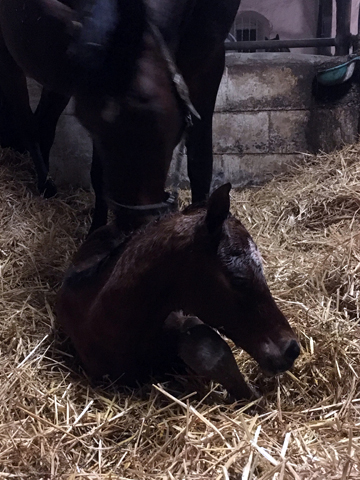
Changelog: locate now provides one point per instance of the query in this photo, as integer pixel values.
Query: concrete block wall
(268, 112)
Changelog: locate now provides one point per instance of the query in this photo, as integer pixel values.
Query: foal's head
(229, 290)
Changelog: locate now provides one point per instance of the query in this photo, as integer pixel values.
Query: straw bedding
(55, 425)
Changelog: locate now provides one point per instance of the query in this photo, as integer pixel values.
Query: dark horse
(121, 60)
(119, 296)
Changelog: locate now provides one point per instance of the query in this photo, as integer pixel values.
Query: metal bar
(267, 44)
(343, 21)
(324, 26)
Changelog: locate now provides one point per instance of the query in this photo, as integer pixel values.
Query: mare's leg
(47, 114)
(97, 180)
(8, 135)
(203, 90)
(205, 352)
(14, 88)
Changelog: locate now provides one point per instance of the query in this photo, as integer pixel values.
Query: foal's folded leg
(205, 352)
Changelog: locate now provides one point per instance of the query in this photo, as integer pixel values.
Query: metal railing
(342, 42)
(269, 44)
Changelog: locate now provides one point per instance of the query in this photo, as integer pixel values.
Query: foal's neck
(157, 251)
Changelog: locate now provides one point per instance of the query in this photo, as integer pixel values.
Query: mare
(128, 302)
(121, 61)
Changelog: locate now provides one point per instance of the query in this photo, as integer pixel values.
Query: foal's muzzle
(277, 358)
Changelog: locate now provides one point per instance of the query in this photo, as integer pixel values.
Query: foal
(118, 296)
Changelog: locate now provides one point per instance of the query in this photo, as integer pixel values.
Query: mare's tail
(108, 40)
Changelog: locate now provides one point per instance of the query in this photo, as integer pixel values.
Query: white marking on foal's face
(243, 260)
(255, 254)
(256, 261)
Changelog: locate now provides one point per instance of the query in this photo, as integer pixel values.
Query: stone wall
(268, 111)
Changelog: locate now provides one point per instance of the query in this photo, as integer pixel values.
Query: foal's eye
(239, 281)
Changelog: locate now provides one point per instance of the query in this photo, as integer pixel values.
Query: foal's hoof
(243, 391)
(48, 189)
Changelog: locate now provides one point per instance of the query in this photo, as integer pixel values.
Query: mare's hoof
(48, 189)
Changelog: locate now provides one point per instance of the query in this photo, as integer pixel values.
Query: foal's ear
(218, 209)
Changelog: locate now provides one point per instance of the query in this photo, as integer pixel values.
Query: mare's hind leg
(47, 114)
(97, 180)
(14, 87)
(203, 90)
(8, 134)
(205, 352)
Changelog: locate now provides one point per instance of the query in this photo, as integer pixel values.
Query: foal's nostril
(292, 350)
